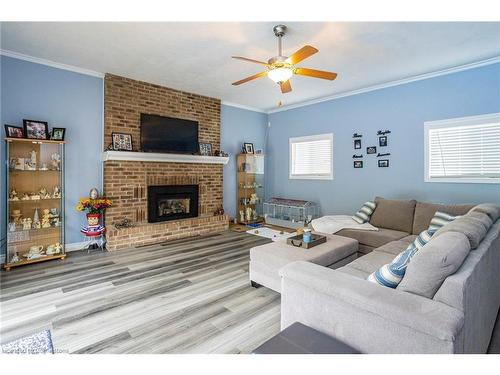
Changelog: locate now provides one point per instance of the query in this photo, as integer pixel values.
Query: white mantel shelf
(162, 158)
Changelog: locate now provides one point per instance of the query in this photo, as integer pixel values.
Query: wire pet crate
(290, 213)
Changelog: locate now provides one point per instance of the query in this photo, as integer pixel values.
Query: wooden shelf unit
(31, 181)
(249, 180)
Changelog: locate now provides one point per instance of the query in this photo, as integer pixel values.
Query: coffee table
(266, 260)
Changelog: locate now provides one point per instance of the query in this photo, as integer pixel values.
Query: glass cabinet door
(35, 204)
(250, 188)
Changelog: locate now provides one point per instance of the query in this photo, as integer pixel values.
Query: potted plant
(94, 208)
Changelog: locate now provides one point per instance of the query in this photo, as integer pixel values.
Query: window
(463, 150)
(311, 157)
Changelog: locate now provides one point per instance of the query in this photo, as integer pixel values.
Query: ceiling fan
(281, 68)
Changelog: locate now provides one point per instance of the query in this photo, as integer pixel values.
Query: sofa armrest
(395, 307)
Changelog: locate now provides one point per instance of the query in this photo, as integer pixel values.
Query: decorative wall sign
(384, 163)
(380, 155)
(358, 163)
(357, 156)
(122, 141)
(371, 150)
(357, 144)
(382, 141)
(206, 149)
(383, 132)
(356, 135)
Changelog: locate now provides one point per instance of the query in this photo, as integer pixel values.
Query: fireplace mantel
(162, 158)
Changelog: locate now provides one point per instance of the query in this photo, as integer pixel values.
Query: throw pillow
(440, 219)
(390, 275)
(364, 213)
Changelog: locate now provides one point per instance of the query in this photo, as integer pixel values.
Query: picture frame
(12, 131)
(122, 141)
(371, 150)
(358, 163)
(205, 149)
(248, 148)
(34, 129)
(382, 141)
(57, 134)
(357, 144)
(383, 163)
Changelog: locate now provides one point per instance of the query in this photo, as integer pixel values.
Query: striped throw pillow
(440, 219)
(390, 275)
(364, 213)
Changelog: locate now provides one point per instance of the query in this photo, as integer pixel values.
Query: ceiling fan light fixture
(282, 74)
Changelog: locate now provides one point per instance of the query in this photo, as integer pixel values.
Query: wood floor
(189, 296)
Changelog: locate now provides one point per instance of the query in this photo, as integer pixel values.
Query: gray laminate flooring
(186, 296)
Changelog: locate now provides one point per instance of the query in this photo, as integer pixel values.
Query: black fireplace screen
(172, 202)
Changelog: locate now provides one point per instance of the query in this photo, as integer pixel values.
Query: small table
(301, 339)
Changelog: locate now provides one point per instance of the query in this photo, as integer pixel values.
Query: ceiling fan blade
(301, 54)
(250, 60)
(261, 74)
(285, 86)
(315, 73)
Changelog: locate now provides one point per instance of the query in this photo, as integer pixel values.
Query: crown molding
(37, 60)
(385, 85)
(241, 106)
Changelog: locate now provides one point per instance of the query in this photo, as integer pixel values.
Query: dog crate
(290, 213)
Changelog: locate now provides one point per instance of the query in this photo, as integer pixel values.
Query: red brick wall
(125, 182)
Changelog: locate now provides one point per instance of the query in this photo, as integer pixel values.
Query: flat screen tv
(168, 135)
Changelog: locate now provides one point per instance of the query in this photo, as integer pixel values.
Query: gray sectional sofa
(456, 314)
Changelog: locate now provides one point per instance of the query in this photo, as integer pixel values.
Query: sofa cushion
(364, 213)
(492, 210)
(391, 274)
(394, 247)
(371, 262)
(482, 217)
(472, 227)
(353, 272)
(372, 238)
(430, 266)
(424, 212)
(393, 214)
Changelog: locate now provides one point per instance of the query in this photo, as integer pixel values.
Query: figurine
(26, 223)
(44, 194)
(33, 157)
(94, 193)
(44, 167)
(58, 248)
(253, 198)
(25, 197)
(57, 192)
(12, 226)
(242, 216)
(36, 220)
(254, 214)
(37, 225)
(13, 195)
(15, 258)
(19, 164)
(46, 218)
(30, 164)
(249, 214)
(55, 161)
(16, 215)
(35, 197)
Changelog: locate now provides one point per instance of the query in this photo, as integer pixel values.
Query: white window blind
(463, 150)
(311, 157)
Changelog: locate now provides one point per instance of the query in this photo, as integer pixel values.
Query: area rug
(273, 234)
(38, 343)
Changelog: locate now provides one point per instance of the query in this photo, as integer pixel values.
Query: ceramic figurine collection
(31, 163)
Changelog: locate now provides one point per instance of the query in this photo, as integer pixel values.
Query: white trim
(459, 121)
(385, 85)
(37, 60)
(241, 106)
(75, 246)
(307, 138)
(162, 158)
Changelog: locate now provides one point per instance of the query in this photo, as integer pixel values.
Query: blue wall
(65, 99)
(238, 126)
(402, 109)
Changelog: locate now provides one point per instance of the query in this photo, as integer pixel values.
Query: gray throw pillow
(483, 218)
(438, 259)
(473, 228)
(490, 209)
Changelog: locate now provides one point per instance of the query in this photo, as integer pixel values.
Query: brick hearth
(125, 182)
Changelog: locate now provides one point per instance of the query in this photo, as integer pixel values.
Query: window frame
(454, 122)
(316, 137)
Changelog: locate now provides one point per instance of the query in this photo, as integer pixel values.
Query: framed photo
(36, 129)
(382, 141)
(57, 134)
(12, 131)
(383, 163)
(206, 149)
(371, 150)
(358, 163)
(248, 148)
(122, 141)
(357, 144)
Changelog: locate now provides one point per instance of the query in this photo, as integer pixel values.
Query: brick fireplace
(127, 182)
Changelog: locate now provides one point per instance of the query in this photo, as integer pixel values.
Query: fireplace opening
(172, 202)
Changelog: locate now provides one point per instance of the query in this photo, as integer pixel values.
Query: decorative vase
(93, 220)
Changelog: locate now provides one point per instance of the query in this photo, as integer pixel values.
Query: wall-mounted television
(168, 135)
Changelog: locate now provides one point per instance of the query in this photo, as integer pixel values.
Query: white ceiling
(196, 57)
